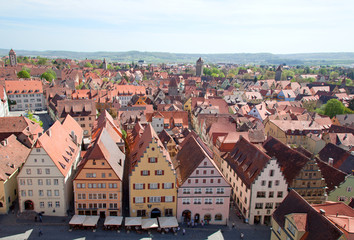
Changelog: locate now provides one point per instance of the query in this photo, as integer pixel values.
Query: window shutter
(134, 186)
(173, 185)
(163, 186)
(149, 186)
(163, 172)
(141, 173)
(133, 199)
(158, 186)
(155, 172)
(162, 199)
(144, 186)
(144, 197)
(149, 160)
(156, 160)
(148, 172)
(173, 199)
(148, 199)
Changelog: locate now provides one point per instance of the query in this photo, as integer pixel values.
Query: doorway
(155, 213)
(196, 218)
(29, 205)
(186, 215)
(102, 214)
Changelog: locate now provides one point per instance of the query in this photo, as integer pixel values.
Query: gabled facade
(45, 180)
(98, 184)
(152, 178)
(344, 192)
(4, 105)
(203, 193)
(258, 185)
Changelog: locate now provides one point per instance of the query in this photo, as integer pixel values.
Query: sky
(178, 26)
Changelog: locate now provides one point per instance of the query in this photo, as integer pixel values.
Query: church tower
(199, 67)
(278, 73)
(13, 58)
(104, 64)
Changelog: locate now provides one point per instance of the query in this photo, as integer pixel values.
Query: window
(280, 194)
(197, 201)
(152, 160)
(263, 183)
(112, 185)
(259, 205)
(204, 172)
(23, 193)
(220, 190)
(30, 193)
(113, 196)
(168, 212)
(218, 217)
(197, 190)
(48, 182)
(28, 171)
(342, 199)
(186, 201)
(56, 182)
(186, 190)
(277, 204)
(139, 186)
(219, 201)
(211, 180)
(261, 194)
(196, 181)
(40, 182)
(291, 229)
(269, 206)
(349, 189)
(50, 204)
(219, 180)
(209, 190)
(154, 199)
(47, 171)
(153, 186)
(57, 204)
(113, 205)
(145, 173)
(159, 172)
(208, 201)
(41, 204)
(270, 184)
(49, 193)
(169, 199)
(39, 171)
(90, 175)
(103, 175)
(197, 172)
(40, 192)
(276, 182)
(271, 173)
(22, 182)
(168, 185)
(271, 194)
(141, 213)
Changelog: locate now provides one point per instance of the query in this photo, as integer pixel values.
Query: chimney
(323, 212)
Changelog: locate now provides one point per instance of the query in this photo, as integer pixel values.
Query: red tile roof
(24, 87)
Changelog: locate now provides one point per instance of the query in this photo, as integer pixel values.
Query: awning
(149, 223)
(132, 221)
(77, 220)
(168, 222)
(90, 221)
(113, 220)
(216, 236)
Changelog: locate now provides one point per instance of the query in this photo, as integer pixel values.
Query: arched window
(218, 217)
(207, 217)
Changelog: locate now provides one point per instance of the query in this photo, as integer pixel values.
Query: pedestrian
(202, 223)
(184, 231)
(233, 225)
(189, 223)
(40, 218)
(241, 236)
(40, 233)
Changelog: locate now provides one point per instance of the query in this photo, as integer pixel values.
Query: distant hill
(164, 57)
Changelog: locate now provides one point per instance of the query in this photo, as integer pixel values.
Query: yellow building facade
(152, 179)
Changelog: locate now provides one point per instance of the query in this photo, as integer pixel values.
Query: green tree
(42, 61)
(23, 74)
(334, 107)
(89, 65)
(49, 75)
(323, 71)
(333, 75)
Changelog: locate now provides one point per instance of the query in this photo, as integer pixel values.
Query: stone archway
(155, 213)
(29, 205)
(186, 215)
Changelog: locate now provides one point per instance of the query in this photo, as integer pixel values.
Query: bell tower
(13, 58)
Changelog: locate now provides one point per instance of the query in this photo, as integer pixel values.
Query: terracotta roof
(165, 137)
(286, 125)
(12, 155)
(317, 226)
(247, 161)
(60, 144)
(346, 120)
(24, 87)
(291, 161)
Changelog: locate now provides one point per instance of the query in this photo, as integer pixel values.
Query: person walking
(184, 231)
(40, 233)
(233, 225)
(242, 235)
